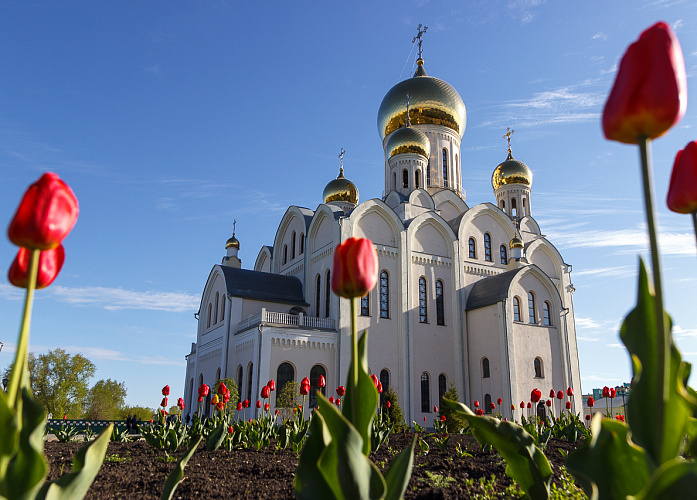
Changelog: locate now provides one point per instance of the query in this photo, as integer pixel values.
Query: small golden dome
(511, 171)
(516, 243)
(432, 101)
(341, 189)
(232, 242)
(408, 140)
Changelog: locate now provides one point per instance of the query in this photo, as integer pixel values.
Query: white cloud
(11, 292)
(118, 298)
(99, 353)
(600, 36)
(619, 271)
(677, 25)
(680, 332)
(586, 323)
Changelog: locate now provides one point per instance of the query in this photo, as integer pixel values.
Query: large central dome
(432, 101)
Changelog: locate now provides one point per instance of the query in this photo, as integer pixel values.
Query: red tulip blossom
(239, 406)
(493, 406)
(374, 379)
(245, 403)
(341, 391)
(588, 417)
(331, 399)
(435, 409)
(66, 416)
(258, 403)
(226, 397)
(200, 399)
(165, 390)
(479, 412)
(529, 405)
(476, 404)
(230, 429)
(613, 393)
(590, 402)
(267, 406)
(424, 419)
(388, 404)
(499, 401)
(47, 213)
(560, 395)
(569, 392)
(522, 404)
(682, 193)
(204, 390)
(305, 386)
(321, 382)
(548, 402)
(277, 412)
(338, 401)
(265, 392)
(649, 95)
(442, 418)
(163, 403)
(150, 420)
(512, 407)
(272, 385)
(380, 387)
(222, 388)
(552, 393)
(568, 405)
(180, 403)
(535, 395)
(50, 264)
(355, 271)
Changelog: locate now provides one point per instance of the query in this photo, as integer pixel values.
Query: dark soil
(135, 470)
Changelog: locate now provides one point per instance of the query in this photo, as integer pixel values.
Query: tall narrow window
(384, 295)
(315, 372)
(472, 248)
(417, 179)
(545, 314)
(487, 247)
(514, 207)
(250, 371)
(423, 306)
(538, 367)
(284, 374)
(428, 173)
(385, 381)
(222, 309)
(445, 167)
(285, 254)
(394, 181)
(504, 255)
(487, 403)
(440, 304)
(485, 368)
(405, 179)
(240, 371)
(217, 303)
(503, 205)
(302, 243)
(516, 309)
(531, 308)
(425, 393)
(327, 293)
(365, 305)
(442, 387)
(318, 295)
(525, 209)
(210, 314)
(292, 246)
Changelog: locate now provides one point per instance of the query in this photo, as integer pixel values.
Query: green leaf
(86, 465)
(27, 470)
(310, 483)
(641, 336)
(215, 439)
(609, 464)
(177, 473)
(9, 437)
(399, 473)
(525, 463)
(674, 479)
(361, 402)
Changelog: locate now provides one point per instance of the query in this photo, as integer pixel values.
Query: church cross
(418, 37)
(341, 161)
(234, 224)
(507, 135)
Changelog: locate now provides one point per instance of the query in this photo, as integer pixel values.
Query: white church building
(473, 296)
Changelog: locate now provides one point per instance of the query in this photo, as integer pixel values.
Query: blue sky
(171, 119)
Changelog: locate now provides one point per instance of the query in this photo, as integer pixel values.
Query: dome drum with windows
(408, 140)
(340, 189)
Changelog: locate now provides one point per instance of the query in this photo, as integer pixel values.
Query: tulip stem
(354, 344)
(694, 222)
(663, 345)
(19, 371)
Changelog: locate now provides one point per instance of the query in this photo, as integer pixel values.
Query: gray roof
(490, 290)
(263, 286)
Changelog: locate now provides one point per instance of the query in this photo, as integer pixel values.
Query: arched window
(417, 179)
(504, 255)
(394, 181)
(516, 309)
(384, 294)
(285, 254)
(365, 305)
(318, 295)
(327, 293)
(538, 368)
(425, 393)
(240, 371)
(191, 390)
(217, 302)
(210, 314)
(423, 305)
(284, 374)
(514, 207)
(217, 376)
(503, 205)
(487, 247)
(405, 179)
(292, 246)
(545, 314)
(200, 383)
(385, 381)
(440, 304)
(302, 243)
(485, 368)
(445, 167)
(222, 309)
(487, 403)
(442, 387)
(472, 248)
(525, 209)
(250, 370)
(531, 308)
(315, 372)
(428, 173)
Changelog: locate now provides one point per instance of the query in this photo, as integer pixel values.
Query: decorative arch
(544, 281)
(315, 373)
(321, 228)
(384, 228)
(433, 226)
(284, 373)
(421, 197)
(550, 260)
(292, 214)
(263, 262)
(484, 210)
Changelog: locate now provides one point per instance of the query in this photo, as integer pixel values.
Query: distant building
(474, 296)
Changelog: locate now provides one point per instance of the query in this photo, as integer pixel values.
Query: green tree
(142, 413)
(232, 387)
(452, 421)
(59, 381)
(288, 398)
(394, 412)
(105, 400)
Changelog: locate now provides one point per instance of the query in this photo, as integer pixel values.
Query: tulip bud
(272, 385)
(560, 395)
(50, 264)
(267, 406)
(493, 406)
(435, 409)
(355, 270)
(569, 392)
(548, 402)
(682, 193)
(338, 401)
(522, 404)
(535, 395)
(380, 387)
(374, 379)
(200, 399)
(529, 405)
(258, 403)
(239, 406)
(47, 213)
(180, 403)
(613, 393)
(590, 402)
(204, 390)
(341, 390)
(321, 382)
(230, 429)
(476, 404)
(388, 404)
(512, 407)
(442, 418)
(499, 401)
(245, 403)
(222, 388)
(424, 419)
(265, 392)
(588, 417)
(277, 412)
(552, 393)
(568, 405)
(606, 392)
(165, 390)
(163, 403)
(649, 95)
(215, 399)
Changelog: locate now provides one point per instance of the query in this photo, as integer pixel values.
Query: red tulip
(424, 419)
(682, 193)
(245, 403)
(374, 379)
(200, 399)
(230, 429)
(590, 402)
(535, 395)
(476, 404)
(560, 395)
(226, 397)
(569, 392)
(65, 416)
(305, 386)
(512, 407)
(163, 403)
(50, 264)
(258, 403)
(606, 392)
(341, 391)
(499, 401)
(388, 404)
(331, 400)
(180, 403)
(588, 417)
(529, 405)
(522, 404)
(549, 402)
(613, 393)
(355, 271)
(442, 418)
(204, 390)
(479, 412)
(150, 420)
(552, 393)
(568, 405)
(267, 406)
(493, 406)
(265, 392)
(222, 388)
(165, 390)
(321, 382)
(435, 409)
(277, 412)
(271, 385)
(239, 406)
(47, 213)
(380, 387)
(338, 401)
(649, 95)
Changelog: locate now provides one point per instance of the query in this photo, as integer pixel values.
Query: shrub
(288, 398)
(452, 421)
(394, 412)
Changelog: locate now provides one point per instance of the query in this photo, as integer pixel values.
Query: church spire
(507, 135)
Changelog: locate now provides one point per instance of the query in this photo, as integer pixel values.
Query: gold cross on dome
(507, 135)
(234, 224)
(418, 37)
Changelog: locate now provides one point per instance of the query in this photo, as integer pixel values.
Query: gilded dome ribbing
(432, 101)
(341, 189)
(408, 140)
(232, 242)
(516, 243)
(511, 171)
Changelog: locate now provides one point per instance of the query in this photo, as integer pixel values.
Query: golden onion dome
(232, 242)
(408, 140)
(511, 171)
(516, 243)
(431, 101)
(341, 189)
